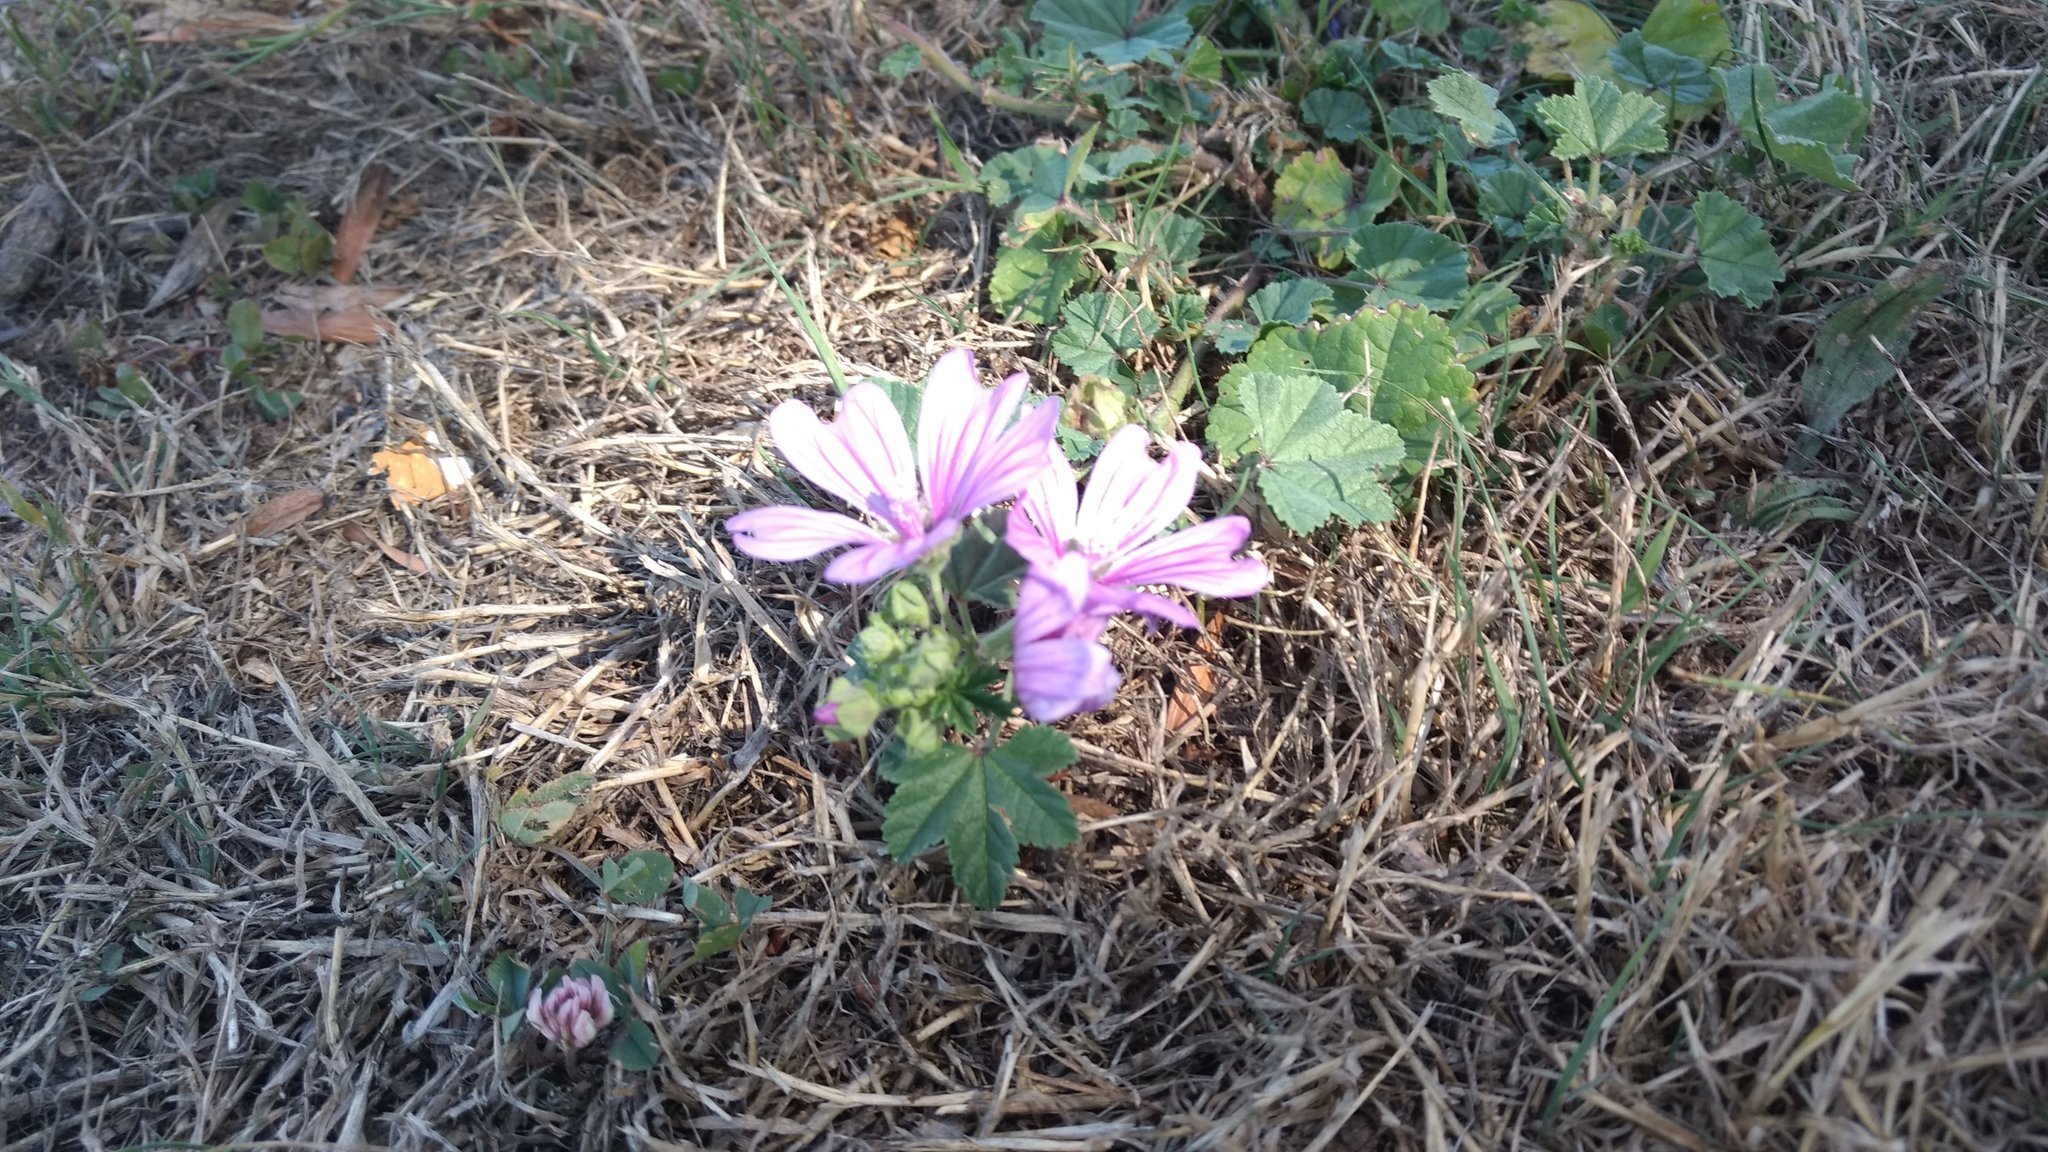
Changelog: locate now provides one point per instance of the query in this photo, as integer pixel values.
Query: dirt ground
(1467, 842)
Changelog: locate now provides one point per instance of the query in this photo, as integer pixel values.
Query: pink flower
(1058, 665)
(969, 455)
(1116, 531)
(573, 1012)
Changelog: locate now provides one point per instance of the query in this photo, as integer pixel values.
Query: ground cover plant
(1216, 575)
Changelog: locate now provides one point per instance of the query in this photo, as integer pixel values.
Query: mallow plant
(986, 553)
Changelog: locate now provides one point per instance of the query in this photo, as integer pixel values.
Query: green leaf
(533, 817)
(1403, 359)
(1099, 325)
(1599, 119)
(245, 324)
(746, 905)
(1735, 250)
(980, 806)
(1037, 180)
(637, 877)
(1110, 30)
(982, 568)
(1406, 262)
(1340, 113)
(636, 1049)
(1635, 587)
(1815, 136)
(1567, 39)
(1316, 458)
(1311, 196)
(902, 62)
(1678, 82)
(1858, 346)
(1428, 17)
(1312, 191)
(1292, 302)
(1463, 97)
(1694, 28)
(510, 981)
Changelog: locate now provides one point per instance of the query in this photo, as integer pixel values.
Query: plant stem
(989, 94)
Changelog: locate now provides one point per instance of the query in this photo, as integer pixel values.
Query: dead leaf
(418, 473)
(281, 512)
(32, 235)
(1089, 808)
(1194, 689)
(354, 325)
(359, 223)
(203, 248)
(362, 537)
(187, 21)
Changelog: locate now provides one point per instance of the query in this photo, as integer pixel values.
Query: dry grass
(1493, 840)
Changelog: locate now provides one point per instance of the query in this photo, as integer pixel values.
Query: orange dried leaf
(356, 325)
(359, 223)
(1089, 808)
(418, 473)
(281, 512)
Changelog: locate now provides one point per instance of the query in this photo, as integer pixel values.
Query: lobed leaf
(1599, 119)
(1315, 458)
(1735, 250)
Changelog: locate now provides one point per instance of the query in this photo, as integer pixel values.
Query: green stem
(990, 95)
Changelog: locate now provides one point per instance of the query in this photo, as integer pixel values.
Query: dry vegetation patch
(1629, 792)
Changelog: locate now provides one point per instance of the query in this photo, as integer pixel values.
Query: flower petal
(1058, 677)
(1042, 523)
(783, 533)
(1131, 497)
(1198, 558)
(874, 561)
(1006, 464)
(952, 421)
(1103, 598)
(863, 457)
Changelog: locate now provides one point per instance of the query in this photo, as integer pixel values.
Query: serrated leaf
(980, 806)
(1679, 83)
(1464, 98)
(1414, 125)
(1339, 113)
(1406, 262)
(1856, 349)
(1429, 17)
(1312, 191)
(1316, 458)
(1599, 119)
(1694, 28)
(1096, 326)
(1815, 135)
(1168, 236)
(1036, 180)
(637, 877)
(1403, 361)
(1291, 302)
(1735, 250)
(1312, 195)
(1567, 39)
(533, 817)
(1110, 30)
